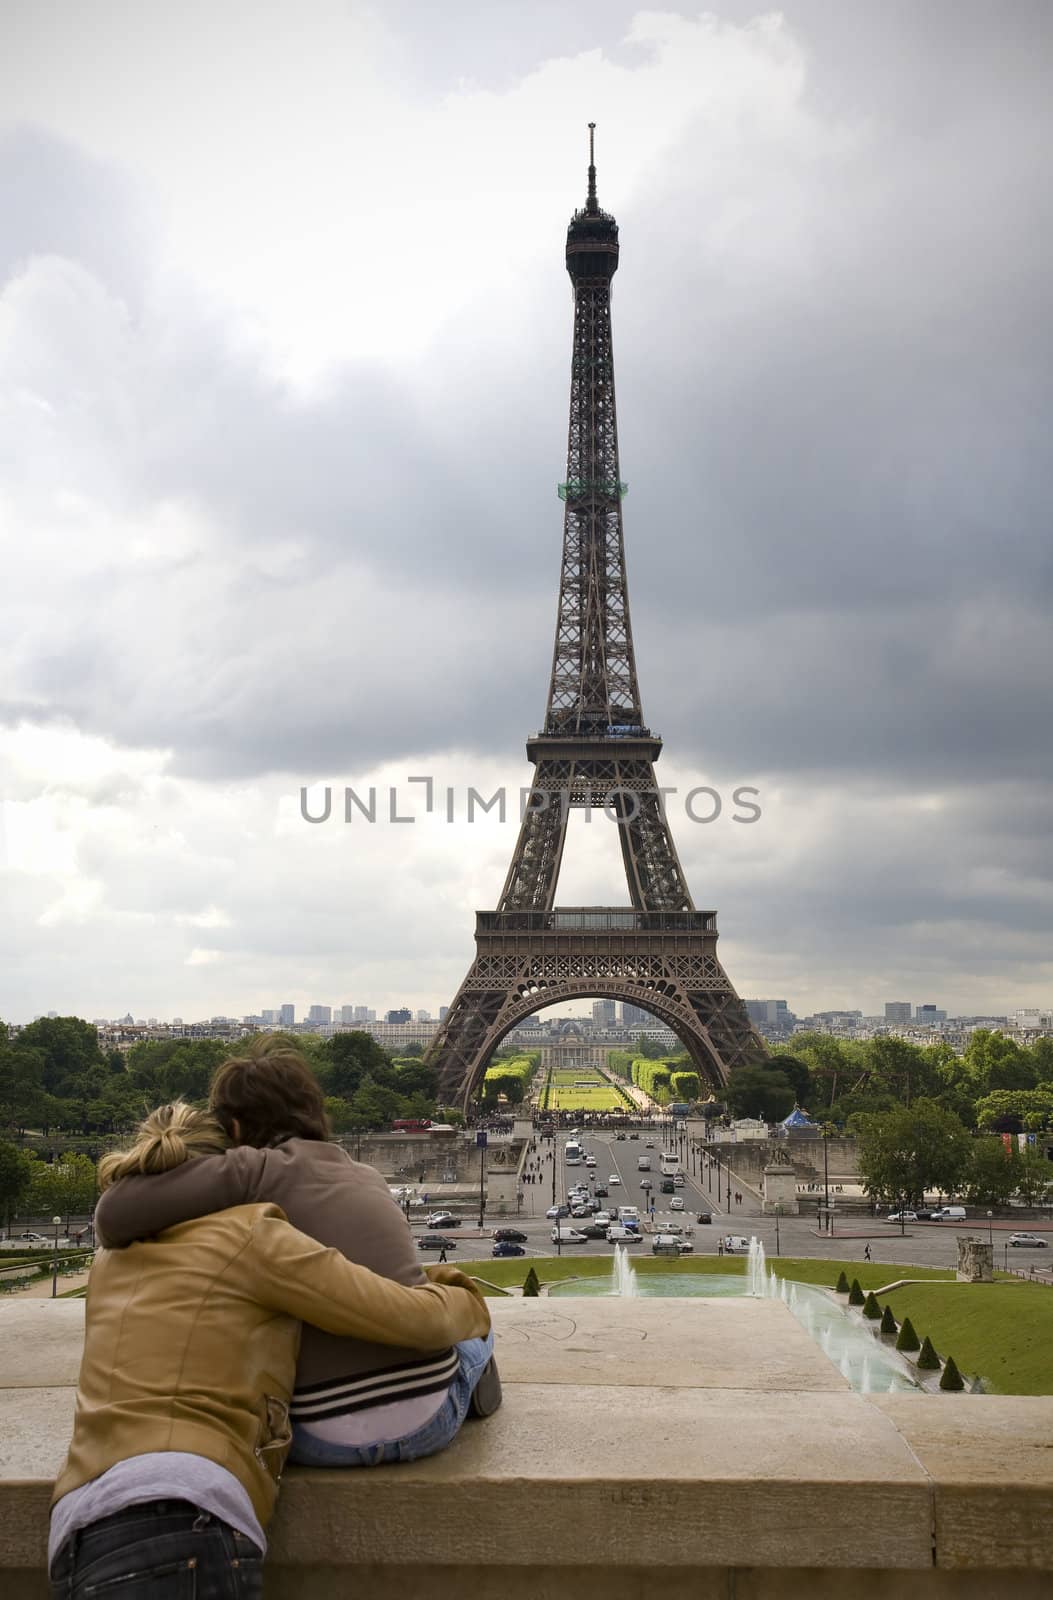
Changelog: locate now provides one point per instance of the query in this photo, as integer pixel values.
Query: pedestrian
(866, 1253)
(442, 1255)
(720, 1247)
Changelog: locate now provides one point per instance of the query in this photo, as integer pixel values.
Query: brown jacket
(339, 1202)
(190, 1341)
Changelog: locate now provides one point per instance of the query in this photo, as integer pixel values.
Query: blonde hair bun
(167, 1137)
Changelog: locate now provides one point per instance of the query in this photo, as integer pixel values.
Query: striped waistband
(336, 1397)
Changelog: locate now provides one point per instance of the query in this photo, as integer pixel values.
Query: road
(920, 1244)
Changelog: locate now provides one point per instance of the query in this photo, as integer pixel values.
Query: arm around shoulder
(133, 1208)
(297, 1275)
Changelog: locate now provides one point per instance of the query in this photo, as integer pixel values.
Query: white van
(949, 1214)
(565, 1235)
(619, 1235)
(628, 1214)
(643, 1164)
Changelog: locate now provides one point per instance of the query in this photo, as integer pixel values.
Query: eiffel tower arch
(594, 750)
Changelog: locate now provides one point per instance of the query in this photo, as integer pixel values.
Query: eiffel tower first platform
(594, 750)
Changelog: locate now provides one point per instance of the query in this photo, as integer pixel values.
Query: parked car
(554, 1212)
(435, 1241)
(1027, 1241)
(508, 1236)
(676, 1204)
(902, 1216)
(564, 1235)
(442, 1219)
(949, 1214)
(506, 1247)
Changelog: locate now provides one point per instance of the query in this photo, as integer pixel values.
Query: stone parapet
(704, 1446)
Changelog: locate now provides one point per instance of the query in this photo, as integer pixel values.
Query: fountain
(755, 1268)
(623, 1275)
(865, 1379)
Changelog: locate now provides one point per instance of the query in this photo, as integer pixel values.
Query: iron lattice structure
(594, 750)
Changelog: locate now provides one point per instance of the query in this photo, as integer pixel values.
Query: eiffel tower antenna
(594, 750)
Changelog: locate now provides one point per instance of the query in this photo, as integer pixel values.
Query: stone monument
(779, 1185)
(975, 1260)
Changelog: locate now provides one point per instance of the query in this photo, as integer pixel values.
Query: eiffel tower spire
(594, 750)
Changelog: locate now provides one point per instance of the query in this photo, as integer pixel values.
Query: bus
(670, 1164)
(572, 1152)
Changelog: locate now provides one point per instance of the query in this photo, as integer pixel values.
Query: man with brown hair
(355, 1403)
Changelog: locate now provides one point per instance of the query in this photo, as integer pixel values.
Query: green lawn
(560, 1093)
(554, 1269)
(1001, 1331)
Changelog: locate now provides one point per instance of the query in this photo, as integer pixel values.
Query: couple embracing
(225, 1232)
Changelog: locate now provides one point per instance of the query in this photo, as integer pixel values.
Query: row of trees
(510, 1076)
(924, 1148)
(995, 1085)
(665, 1079)
(54, 1078)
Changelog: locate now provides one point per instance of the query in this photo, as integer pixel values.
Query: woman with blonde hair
(182, 1419)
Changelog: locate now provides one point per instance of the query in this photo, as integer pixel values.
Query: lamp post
(778, 1214)
(826, 1174)
(990, 1232)
(480, 1140)
(56, 1223)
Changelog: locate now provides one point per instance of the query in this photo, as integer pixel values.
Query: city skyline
(832, 326)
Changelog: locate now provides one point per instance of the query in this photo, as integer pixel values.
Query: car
(565, 1235)
(619, 1136)
(595, 1230)
(676, 1204)
(435, 1241)
(603, 1218)
(590, 1161)
(580, 1212)
(35, 1238)
(507, 1247)
(616, 1234)
(650, 1144)
(554, 1212)
(678, 1179)
(1027, 1241)
(933, 1215)
(902, 1216)
(634, 1136)
(442, 1219)
(600, 1192)
(614, 1179)
(734, 1242)
(645, 1183)
(704, 1216)
(508, 1236)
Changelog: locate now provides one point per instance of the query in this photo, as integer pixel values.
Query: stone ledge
(635, 1438)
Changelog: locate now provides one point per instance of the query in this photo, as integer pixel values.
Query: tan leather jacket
(191, 1340)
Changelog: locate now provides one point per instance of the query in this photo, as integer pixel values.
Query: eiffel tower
(594, 750)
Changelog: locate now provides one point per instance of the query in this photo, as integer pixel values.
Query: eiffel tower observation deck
(594, 750)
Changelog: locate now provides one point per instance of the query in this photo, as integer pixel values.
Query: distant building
(897, 1011)
(320, 1014)
(269, 1018)
(772, 1013)
(930, 1016)
(635, 1017)
(347, 1013)
(400, 1014)
(444, 1012)
(605, 1013)
(287, 1016)
(423, 1016)
(1037, 1018)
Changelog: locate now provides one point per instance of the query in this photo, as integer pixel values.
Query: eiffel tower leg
(532, 877)
(652, 866)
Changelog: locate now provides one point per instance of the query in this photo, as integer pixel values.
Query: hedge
(908, 1339)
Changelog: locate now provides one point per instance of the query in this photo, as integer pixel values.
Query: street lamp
(990, 1232)
(56, 1223)
(826, 1173)
(778, 1214)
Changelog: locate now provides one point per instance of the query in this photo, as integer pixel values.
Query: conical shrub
(908, 1339)
(856, 1297)
(888, 1321)
(950, 1377)
(531, 1284)
(871, 1308)
(842, 1285)
(928, 1360)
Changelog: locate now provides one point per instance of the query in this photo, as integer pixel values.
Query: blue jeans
(427, 1441)
(160, 1550)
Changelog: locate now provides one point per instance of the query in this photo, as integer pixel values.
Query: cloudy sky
(284, 359)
